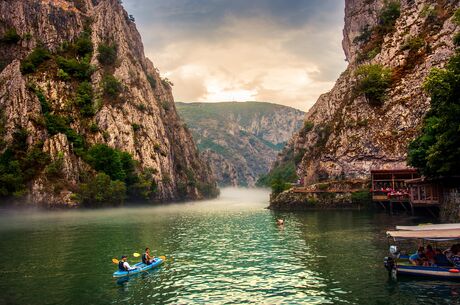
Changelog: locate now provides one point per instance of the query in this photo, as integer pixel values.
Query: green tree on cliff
(436, 152)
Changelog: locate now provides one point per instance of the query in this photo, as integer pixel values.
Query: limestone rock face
(346, 135)
(142, 120)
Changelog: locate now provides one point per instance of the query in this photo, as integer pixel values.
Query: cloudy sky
(281, 51)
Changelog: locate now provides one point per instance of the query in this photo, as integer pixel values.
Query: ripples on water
(221, 251)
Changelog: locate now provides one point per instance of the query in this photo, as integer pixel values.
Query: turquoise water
(223, 251)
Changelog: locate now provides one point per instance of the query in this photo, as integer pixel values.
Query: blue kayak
(140, 267)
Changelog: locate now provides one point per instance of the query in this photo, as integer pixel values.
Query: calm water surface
(222, 251)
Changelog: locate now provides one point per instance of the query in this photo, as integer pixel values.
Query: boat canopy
(432, 234)
(428, 226)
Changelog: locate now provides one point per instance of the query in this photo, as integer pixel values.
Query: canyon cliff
(75, 83)
(351, 129)
(240, 141)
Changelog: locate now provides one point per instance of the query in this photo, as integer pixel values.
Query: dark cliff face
(346, 134)
(92, 84)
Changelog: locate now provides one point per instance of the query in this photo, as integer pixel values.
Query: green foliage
(61, 74)
(112, 86)
(54, 169)
(361, 197)
(107, 54)
(10, 36)
(208, 190)
(81, 69)
(84, 45)
(373, 81)
(58, 124)
(2, 129)
(372, 38)
(364, 36)
(388, 16)
(31, 63)
(84, 99)
(113, 162)
(307, 127)
(278, 185)
(136, 127)
(165, 105)
(323, 186)
(93, 128)
(166, 82)
(46, 107)
(457, 39)
(207, 143)
(456, 18)
(413, 44)
(101, 190)
(436, 152)
(145, 187)
(20, 163)
(285, 172)
(152, 81)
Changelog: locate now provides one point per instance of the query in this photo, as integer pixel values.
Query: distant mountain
(240, 140)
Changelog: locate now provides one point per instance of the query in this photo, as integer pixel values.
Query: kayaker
(123, 265)
(147, 258)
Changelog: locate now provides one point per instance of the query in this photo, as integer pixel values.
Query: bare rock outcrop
(345, 136)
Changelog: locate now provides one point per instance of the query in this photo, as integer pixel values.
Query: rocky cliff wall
(240, 140)
(345, 135)
(138, 116)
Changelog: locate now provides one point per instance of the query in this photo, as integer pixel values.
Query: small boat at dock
(398, 262)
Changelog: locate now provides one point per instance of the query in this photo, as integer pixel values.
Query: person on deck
(123, 265)
(440, 259)
(455, 257)
(147, 258)
(417, 258)
(429, 254)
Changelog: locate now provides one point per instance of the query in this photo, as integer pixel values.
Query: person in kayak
(123, 265)
(147, 258)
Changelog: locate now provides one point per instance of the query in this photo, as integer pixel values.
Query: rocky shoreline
(351, 194)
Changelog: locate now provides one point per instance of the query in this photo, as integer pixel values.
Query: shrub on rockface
(80, 69)
(388, 15)
(373, 81)
(84, 99)
(10, 36)
(101, 190)
(283, 173)
(112, 86)
(436, 151)
(20, 163)
(38, 56)
(107, 54)
(113, 162)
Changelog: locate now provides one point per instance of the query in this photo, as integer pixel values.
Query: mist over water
(226, 250)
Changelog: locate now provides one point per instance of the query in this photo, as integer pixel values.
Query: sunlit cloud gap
(216, 50)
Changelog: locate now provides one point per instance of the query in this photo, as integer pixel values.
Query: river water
(226, 250)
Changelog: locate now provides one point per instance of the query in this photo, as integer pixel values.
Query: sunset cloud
(287, 52)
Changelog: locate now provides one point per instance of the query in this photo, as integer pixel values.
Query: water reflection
(228, 250)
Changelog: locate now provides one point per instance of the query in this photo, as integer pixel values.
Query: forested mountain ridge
(240, 140)
(85, 116)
